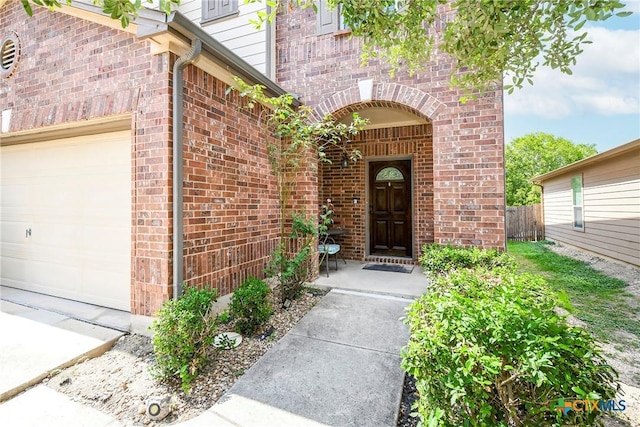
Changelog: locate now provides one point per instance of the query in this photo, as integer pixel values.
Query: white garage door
(65, 218)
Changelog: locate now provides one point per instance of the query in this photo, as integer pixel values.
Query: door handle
(27, 233)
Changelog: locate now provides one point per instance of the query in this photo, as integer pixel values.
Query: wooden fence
(525, 223)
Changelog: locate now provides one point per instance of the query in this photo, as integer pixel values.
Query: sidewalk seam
(67, 315)
(346, 345)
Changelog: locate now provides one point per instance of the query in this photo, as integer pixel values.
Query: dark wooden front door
(390, 208)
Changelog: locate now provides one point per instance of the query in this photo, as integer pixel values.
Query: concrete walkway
(352, 277)
(339, 366)
(40, 334)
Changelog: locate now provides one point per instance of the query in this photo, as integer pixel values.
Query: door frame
(367, 229)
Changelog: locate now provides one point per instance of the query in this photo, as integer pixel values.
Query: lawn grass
(598, 300)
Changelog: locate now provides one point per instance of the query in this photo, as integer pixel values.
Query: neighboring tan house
(594, 204)
(89, 116)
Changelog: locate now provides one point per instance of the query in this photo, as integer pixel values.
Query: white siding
(235, 32)
(611, 208)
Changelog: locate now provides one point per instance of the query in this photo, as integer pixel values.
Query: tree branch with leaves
(123, 10)
(534, 154)
(487, 39)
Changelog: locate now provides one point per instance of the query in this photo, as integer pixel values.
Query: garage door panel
(96, 238)
(75, 195)
(15, 165)
(104, 286)
(13, 232)
(14, 267)
(15, 195)
(54, 235)
(58, 193)
(56, 277)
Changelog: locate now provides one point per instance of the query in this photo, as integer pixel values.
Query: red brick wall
(231, 206)
(72, 70)
(468, 168)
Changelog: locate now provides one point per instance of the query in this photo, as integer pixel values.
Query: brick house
(88, 166)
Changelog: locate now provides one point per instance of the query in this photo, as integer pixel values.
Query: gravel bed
(409, 395)
(118, 383)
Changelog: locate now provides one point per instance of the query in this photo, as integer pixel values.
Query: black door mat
(394, 268)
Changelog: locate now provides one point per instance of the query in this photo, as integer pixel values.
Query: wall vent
(9, 55)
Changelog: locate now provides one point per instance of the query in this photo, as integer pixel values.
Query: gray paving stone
(329, 383)
(367, 321)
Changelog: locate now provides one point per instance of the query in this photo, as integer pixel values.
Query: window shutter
(214, 9)
(327, 20)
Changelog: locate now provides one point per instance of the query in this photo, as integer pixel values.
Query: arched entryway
(384, 202)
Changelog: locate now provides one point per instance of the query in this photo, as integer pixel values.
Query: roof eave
(180, 25)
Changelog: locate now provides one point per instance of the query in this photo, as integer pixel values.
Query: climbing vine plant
(295, 140)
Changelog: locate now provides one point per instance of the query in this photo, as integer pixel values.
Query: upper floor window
(330, 21)
(217, 9)
(578, 214)
(327, 20)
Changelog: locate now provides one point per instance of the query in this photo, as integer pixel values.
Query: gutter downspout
(178, 201)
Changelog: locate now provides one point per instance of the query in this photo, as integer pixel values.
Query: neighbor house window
(217, 9)
(578, 216)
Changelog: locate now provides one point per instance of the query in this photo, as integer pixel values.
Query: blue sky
(599, 104)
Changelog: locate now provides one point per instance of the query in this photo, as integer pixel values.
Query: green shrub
(488, 349)
(291, 270)
(224, 317)
(438, 259)
(182, 333)
(291, 264)
(250, 305)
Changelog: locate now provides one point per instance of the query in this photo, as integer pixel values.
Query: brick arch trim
(384, 95)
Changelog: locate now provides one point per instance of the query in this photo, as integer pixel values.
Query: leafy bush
(224, 317)
(487, 348)
(250, 306)
(182, 334)
(291, 270)
(438, 259)
(292, 266)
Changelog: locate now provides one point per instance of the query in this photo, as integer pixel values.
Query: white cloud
(608, 105)
(605, 81)
(611, 50)
(633, 6)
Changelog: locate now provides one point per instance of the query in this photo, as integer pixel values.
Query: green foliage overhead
(123, 10)
(487, 38)
(535, 154)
